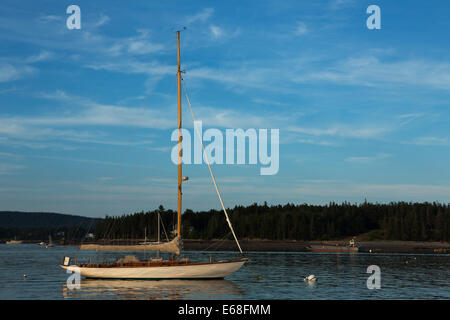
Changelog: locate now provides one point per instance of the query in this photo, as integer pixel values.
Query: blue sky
(86, 115)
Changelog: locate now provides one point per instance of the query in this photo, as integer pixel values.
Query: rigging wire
(164, 229)
(218, 244)
(210, 170)
(83, 237)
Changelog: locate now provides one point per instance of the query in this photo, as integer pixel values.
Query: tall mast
(180, 178)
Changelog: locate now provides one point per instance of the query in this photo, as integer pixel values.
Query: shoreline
(301, 246)
(261, 245)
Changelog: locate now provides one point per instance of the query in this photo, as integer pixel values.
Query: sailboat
(159, 233)
(15, 241)
(145, 234)
(130, 267)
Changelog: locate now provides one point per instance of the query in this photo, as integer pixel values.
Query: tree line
(392, 221)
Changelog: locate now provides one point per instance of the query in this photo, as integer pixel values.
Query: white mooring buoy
(311, 278)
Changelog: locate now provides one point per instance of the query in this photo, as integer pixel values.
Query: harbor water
(29, 271)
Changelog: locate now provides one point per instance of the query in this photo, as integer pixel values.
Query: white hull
(213, 270)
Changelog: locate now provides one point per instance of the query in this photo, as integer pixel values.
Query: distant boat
(50, 243)
(145, 235)
(47, 245)
(350, 248)
(15, 241)
(159, 233)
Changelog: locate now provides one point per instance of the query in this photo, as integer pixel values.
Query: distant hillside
(41, 225)
(17, 219)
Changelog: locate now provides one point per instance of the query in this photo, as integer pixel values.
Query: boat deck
(150, 263)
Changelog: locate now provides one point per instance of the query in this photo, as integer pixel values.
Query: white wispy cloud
(284, 75)
(12, 69)
(92, 161)
(7, 154)
(162, 149)
(16, 68)
(42, 56)
(137, 45)
(9, 72)
(104, 179)
(367, 159)
(202, 16)
(320, 180)
(50, 18)
(342, 130)
(39, 131)
(34, 143)
(50, 32)
(389, 192)
(8, 168)
(216, 31)
(102, 20)
(339, 4)
(96, 115)
(134, 67)
(45, 130)
(301, 29)
(410, 117)
(317, 142)
(227, 118)
(111, 142)
(371, 71)
(244, 76)
(407, 191)
(432, 141)
(269, 102)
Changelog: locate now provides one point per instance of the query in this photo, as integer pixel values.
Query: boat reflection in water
(153, 289)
